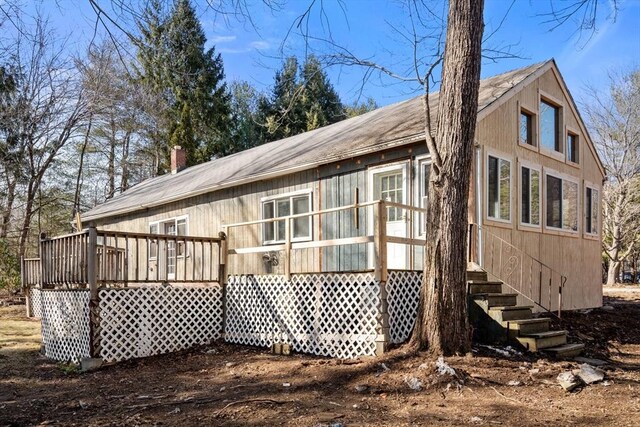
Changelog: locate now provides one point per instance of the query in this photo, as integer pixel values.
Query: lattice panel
(403, 292)
(36, 302)
(140, 322)
(334, 315)
(65, 324)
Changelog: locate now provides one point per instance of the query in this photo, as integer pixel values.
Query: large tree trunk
(614, 272)
(442, 324)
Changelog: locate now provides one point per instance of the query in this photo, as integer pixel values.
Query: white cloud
(260, 44)
(222, 39)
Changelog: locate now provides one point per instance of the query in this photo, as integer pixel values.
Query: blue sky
(372, 29)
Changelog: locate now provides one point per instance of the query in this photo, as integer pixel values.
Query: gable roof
(387, 127)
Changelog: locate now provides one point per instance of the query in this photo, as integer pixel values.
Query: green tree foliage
(245, 128)
(303, 99)
(189, 78)
(357, 109)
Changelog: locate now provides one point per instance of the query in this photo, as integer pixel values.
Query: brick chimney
(178, 159)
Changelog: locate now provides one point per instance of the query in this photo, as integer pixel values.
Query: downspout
(479, 198)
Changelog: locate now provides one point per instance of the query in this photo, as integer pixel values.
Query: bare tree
(614, 122)
(45, 111)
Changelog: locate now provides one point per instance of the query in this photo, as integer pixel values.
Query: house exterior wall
(575, 255)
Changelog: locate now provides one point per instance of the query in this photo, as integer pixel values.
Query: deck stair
(497, 318)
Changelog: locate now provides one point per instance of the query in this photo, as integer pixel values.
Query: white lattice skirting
(65, 324)
(334, 315)
(36, 302)
(403, 292)
(140, 322)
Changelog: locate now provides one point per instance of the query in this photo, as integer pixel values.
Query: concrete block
(90, 363)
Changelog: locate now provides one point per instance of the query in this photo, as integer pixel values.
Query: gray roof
(386, 127)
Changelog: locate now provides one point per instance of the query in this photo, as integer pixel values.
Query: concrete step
(565, 351)
(476, 275)
(496, 299)
(542, 340)
(501, 314)
(526, 326)
(484, 287)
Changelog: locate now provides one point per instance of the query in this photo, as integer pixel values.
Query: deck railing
(375, 232)
(109, 258)
(531, 278)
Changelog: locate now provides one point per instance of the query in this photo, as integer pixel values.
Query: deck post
(382, 328)
(222, 275)
(26, 290)
(94, 315)
(43, 260)
(380, 240)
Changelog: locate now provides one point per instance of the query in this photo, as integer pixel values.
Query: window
(425, 171)
(591, 208)
(562, 204)
(499, 188)
(526, 128)
(529, 196)
(573, 148)
(275, 232)
(550, 127)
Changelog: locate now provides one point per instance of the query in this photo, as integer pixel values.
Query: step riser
(485, 289)
(501, 316)
(476, 275)
(517, 330)
(535, 344)
(501, 301)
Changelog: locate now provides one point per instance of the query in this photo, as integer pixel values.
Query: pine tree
(176, 65)
(302, 99)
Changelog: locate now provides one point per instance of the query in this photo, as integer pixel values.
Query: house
(316, 240)
(536, 185)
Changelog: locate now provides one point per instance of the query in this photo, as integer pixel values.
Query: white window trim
(289, 195)
(538, 168)
(563, 177)
(501, 156)
(419, 188)
(597, 188)
(550, 99)
(164, 221)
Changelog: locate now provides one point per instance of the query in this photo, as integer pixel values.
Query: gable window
(529, 196)
(591, 208)
(275, 232)
(550, 127)
(526, 128)
(562, 203)
(573, 148)
(498, 188)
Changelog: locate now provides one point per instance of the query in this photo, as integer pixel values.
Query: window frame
(572, 133)
(536, 167)
(562, 177)
(592, 187)
(533, 127)
(550, 100)
(500, 156)
(421, 162)
(278, 197)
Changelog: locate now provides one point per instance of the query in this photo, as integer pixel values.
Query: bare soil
(227, 385)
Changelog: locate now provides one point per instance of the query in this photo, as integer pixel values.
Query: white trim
(284, 195)
(420, 229)
(538, 168)
(562, 177)
(505, 157)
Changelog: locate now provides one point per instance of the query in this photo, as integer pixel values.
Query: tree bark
(442, 324)
(614, 272)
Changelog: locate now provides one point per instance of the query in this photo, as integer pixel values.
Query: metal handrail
(503, 260)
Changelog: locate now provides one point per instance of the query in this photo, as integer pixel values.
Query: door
(390, 183)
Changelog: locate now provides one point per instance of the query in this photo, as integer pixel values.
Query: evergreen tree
(176, 65)
(303, 99)
(245, 130)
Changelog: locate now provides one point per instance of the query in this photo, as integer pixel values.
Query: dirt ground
(225, 385)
